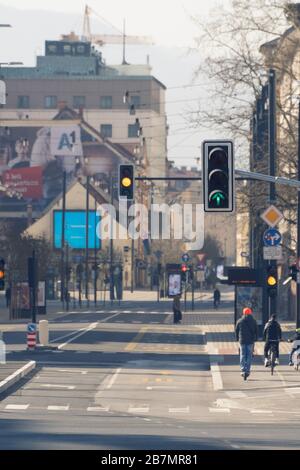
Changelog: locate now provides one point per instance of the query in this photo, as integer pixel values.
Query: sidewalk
(218, 326)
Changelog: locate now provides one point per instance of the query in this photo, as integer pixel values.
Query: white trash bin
(44, 332)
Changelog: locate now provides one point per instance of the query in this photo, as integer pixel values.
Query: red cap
(247, 311)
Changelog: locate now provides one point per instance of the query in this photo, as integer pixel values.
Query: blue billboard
(75, 229)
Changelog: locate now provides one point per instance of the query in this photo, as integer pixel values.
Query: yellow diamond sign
(272, 216)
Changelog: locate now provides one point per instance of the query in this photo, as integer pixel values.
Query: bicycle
(272, 355)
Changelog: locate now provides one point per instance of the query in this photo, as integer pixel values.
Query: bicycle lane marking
(81, 332)
(133, 344)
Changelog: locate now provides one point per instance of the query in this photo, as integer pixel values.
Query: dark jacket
(246, 330)
(272, 331)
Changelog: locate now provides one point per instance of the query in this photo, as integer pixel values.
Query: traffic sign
(272, 237)
(272, 216)
(272, 252)
(31, 328)
(185, 257)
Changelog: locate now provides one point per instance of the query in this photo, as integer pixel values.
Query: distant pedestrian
(217, 298)
(176, 309)
(246, 332)
(8, 297)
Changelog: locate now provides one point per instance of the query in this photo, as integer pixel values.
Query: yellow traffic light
(271, 281)
(2, 274)
(126, 182)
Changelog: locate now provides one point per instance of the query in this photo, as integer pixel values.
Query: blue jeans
(246, 352)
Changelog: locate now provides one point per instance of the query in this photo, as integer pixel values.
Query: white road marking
(179, 410)
(92, 326)
(292, 390)
(98, 408)
(58, 408)
(236, 394)
(216, 376)
(219, 410)
(16, 407)
(68, 387)
(140, 409)
(141, 311)
(261, 412)
(113, 378)
(74, 371)
(161, 387)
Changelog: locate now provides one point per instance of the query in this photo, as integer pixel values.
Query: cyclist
(272, 333)
(295, 346)
(246, 334)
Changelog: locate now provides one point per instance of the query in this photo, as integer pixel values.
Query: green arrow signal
(217, 197)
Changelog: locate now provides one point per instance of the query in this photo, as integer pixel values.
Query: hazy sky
(167, 21)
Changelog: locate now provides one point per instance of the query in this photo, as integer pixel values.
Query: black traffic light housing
(293, 272)
(126, 182)
(2, 274)
(218, 176)
(272, 280)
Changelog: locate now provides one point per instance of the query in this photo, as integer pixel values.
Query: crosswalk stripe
(16, 407)
(98, 408)
(58, 408)
(179, 410)
(219, 410)
(141, 409)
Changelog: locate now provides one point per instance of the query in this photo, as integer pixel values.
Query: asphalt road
(130, 379)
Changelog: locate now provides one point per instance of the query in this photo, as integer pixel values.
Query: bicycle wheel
(272, 361)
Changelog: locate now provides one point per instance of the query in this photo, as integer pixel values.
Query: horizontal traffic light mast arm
(239, 175)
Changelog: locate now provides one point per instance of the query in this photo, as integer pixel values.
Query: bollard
(44, 332)
(31, 336)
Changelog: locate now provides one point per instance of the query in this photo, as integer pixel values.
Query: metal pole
(62, 253)
(298, 226)
(87, 240)
(193, 289)
(132, 265)
(67, 276)
(272, 161)
(111, 251)
(95, 258)
(34, 287)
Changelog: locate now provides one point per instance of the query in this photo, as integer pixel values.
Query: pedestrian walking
(8, 296)
(246, 332)
(217, 298)
(177, 309)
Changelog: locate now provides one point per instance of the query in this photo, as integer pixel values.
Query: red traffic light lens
(184, 268)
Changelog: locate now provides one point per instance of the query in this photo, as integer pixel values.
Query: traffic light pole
(272, 165)
(298, 223)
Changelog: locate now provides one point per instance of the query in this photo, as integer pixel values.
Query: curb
(16, 376)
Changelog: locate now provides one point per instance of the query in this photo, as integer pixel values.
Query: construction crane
(119, 38)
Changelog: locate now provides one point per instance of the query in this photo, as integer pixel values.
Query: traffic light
(272, 280)
(293, 272)
(126, 182)
(218, 176)
(184, 270)
(2, 274)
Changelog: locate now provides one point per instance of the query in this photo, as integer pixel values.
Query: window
(135, 100)
(106, 130)
(106, 102)
(23, 101)
(50, 102)
(80, 49)
(78, 101)
(133, 130)
(52, 49)
(67, 49)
